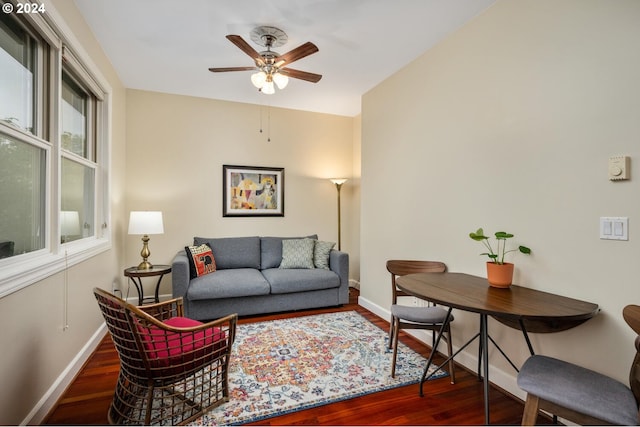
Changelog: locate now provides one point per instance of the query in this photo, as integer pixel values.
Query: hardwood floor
(87, 399)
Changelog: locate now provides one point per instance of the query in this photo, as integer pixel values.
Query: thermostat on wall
(619, 168)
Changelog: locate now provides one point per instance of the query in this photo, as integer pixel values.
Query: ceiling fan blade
(223, 69)
(302, 75)
(246, 48)
(298, 53)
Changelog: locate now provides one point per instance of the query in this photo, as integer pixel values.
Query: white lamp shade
(258, 79)
(146, 222)
(69, 223)
(280, 80)
(268, 88)
(338, 181)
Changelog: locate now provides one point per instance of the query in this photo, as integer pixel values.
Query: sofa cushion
(321, 253)
(236, 282)
(284, 281)
(201, 260)
(297, 253)
(233, 252)
(271, 250)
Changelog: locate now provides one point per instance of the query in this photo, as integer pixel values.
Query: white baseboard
(498, 377)
(47, 402)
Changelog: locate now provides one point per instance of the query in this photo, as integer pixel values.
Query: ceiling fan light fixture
(268, 63)
(268, 88)
(280, 80)
(258, 79)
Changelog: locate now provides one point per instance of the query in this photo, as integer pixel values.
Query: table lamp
(145, 223)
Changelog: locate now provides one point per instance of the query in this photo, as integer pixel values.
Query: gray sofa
(248, 280)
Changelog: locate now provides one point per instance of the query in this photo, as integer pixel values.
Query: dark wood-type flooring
(87, 399)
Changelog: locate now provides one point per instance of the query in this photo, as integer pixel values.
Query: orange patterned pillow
(201, 260)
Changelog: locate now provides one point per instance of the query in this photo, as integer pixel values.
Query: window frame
(62, 51)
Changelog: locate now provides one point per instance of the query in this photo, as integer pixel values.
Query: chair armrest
(180, 276)
(165, 309)
(146, 316)
(231, 320)
(339, 264)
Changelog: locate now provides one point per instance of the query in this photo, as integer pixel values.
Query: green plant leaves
(501, 236)
(478, 236)
(524, 250)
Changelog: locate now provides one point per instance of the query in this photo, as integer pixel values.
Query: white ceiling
(168, 45)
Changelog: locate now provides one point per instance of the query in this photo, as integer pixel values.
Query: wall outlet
(115, 288)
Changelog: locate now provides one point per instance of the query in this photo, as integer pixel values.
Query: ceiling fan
(271, 67)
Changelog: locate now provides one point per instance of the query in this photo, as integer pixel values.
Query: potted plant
(499, 272)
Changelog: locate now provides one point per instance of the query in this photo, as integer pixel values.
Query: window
(74, 117)
(17, 74)
(78, 183)
(22, 197)
(23, 156)
(78, 166)
(53, 151)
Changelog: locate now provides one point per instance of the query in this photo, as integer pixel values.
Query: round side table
(136, 276)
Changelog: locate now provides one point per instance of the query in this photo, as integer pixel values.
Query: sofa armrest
(339, 264)
(180, 275)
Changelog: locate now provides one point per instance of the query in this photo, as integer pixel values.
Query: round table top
(541, 311)
(156, 270)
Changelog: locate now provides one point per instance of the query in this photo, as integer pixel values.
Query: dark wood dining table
(519, 307)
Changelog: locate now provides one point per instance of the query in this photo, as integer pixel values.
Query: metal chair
(172, 369)
(581, 395)
(409, 317)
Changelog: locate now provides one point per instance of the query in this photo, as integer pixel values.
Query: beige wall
(35, 349)
(353, 188)
(530, 99)
(172, 161)
(508, 124)
(175, 152)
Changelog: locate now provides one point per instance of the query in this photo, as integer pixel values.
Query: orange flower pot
(500, 275)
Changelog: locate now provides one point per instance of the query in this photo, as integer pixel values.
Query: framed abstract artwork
(252, 191)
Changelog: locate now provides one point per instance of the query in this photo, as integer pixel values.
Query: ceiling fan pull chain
(268, 123)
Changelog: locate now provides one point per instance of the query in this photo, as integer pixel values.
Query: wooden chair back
(404, 267)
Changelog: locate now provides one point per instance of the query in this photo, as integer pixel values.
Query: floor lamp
(338, 182)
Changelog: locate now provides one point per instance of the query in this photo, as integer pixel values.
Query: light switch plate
(614, 228)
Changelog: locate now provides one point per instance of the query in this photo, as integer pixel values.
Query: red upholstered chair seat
(179, 349)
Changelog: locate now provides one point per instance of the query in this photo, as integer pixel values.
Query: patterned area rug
(283, 366)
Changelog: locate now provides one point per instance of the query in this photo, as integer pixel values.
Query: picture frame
(250, 191)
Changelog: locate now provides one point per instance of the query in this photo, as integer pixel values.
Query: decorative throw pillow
(297, 253)
(321, 254)
(201, 260)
